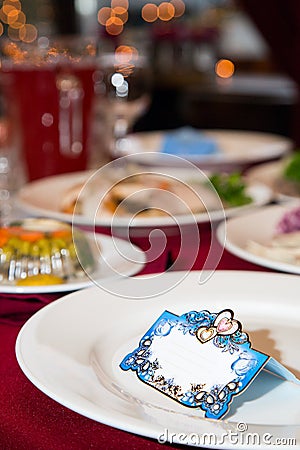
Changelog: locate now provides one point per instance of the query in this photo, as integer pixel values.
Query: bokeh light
(117, 79)
(114, 17)
(166, 11)
(7, 9)
(179, 7)
(19, 22)
(15, 3)
(120, 6)
(13, 20)
(18, 29)
(104, 14)
(12, 16)
(224, 68)
(114, 25)
(13, 34)
(150, 12)
(124, 16)
(125, 54)
(28, 33)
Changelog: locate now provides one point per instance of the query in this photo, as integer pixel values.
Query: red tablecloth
(31, 420)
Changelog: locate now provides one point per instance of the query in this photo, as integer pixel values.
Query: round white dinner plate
(258, 226)
(72, 348)
(117, 258)
(237, 149)
(34, 199)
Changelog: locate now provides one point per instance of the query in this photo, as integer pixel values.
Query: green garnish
(231, 189)
(292, 169)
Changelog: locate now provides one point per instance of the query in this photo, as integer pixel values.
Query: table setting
(165, 286)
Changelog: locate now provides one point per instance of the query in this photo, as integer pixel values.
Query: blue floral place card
(200, 359)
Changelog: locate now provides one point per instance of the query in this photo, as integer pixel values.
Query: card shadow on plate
(261, 385)
(265, 382)
(263, 342)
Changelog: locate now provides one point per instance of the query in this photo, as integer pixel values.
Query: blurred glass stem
(5, 194)
(12, 175)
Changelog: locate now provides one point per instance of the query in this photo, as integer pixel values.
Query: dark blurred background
(216, 63)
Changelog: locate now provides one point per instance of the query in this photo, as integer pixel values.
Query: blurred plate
(34, 198)
(237, 149)
(258, 226)
(80, 370)
(117, 258)
(271, 175)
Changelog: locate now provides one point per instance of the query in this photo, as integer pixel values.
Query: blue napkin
(188, 142)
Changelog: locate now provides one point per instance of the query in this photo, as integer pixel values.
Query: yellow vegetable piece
(39, 280)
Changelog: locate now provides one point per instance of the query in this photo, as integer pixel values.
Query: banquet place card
(200, 359)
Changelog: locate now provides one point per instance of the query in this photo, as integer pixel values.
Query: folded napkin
(17, 308)
(188, 142)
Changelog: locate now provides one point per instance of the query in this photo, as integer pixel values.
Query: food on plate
(151, 194)
(285, 243)
(231, 188)
(38, 251)
(288, 180)
(289, 222)
(146, 195)
(292, 168)
(42, 279)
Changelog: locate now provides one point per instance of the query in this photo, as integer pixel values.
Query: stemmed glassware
(124, 88)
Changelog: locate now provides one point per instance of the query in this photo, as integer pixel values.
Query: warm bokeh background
(217, 63)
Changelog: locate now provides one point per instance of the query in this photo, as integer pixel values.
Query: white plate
(258, 226)
(237, 149)
(34, 199)
(81, 370)
(271, 175)
(117, 258)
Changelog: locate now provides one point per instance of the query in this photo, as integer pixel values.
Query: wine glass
(124, 86)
